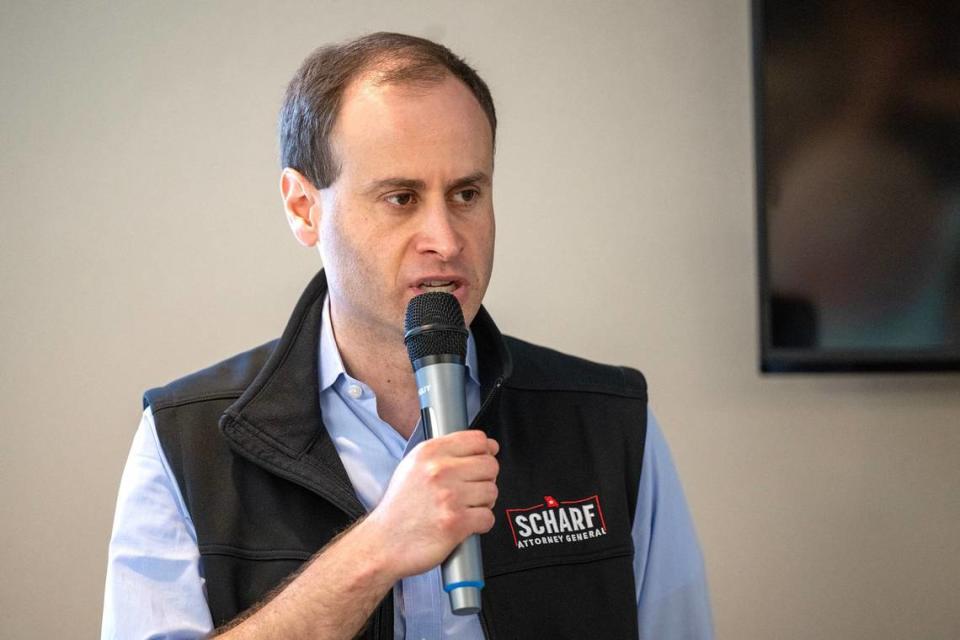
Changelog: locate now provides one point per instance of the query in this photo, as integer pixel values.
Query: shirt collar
(331, 365)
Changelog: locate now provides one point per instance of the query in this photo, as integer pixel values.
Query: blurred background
(142, 238)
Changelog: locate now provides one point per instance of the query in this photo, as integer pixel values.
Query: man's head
(315, 94)
(387, 144)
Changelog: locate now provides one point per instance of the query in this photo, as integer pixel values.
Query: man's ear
(301, 202)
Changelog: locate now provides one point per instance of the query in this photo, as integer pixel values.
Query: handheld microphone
(436, 340)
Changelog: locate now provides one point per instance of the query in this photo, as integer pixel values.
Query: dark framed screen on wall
(857, 124)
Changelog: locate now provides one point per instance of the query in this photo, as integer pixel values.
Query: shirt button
(354, 391)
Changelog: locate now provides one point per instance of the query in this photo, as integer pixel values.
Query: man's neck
(382, 363)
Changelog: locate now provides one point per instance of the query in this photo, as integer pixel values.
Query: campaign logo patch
(557, 522)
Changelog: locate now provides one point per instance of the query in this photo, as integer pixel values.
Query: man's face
(412, 208)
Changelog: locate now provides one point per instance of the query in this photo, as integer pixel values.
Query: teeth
(439, 285)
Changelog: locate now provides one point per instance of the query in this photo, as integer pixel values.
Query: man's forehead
(408, 122)
(371, 90)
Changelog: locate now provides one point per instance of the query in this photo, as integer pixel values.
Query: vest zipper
(486, 402)
(375, 623)
(483, 407)
(483, 624)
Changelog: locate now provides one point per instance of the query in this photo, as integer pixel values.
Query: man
(287, 492)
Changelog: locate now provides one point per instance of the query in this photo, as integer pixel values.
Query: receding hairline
(402, 66)
(398, 69)
(376, 78)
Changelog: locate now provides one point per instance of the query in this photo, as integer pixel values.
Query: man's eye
(400, 199)
(466, 196)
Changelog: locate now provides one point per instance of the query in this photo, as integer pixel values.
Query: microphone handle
(443, 406)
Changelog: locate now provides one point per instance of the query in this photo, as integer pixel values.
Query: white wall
(142, 238)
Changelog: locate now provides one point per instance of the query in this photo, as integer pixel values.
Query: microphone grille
(434, 326)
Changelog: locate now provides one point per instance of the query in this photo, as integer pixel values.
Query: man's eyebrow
(395, 183)
(478, 177)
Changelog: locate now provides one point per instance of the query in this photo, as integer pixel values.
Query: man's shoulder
(538, 368)
(224, 380)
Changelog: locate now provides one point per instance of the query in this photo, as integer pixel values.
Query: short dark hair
(314, 95)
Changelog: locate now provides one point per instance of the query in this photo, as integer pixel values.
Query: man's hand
(442, 492)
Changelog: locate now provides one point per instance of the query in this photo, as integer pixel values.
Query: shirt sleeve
(672, 598)
(155, 586)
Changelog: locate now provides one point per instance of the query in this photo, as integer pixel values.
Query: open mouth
(447, 286)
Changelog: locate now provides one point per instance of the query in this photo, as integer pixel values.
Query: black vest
(266, 488)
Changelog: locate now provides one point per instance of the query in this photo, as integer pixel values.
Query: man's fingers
(476, 468)
(463, 443)
(479, 519)
(479, 494)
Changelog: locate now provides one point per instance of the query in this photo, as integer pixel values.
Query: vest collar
(276, 422)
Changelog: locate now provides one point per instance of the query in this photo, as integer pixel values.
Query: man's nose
(438, 231)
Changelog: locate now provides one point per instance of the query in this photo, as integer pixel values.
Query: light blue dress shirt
(155, 585)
